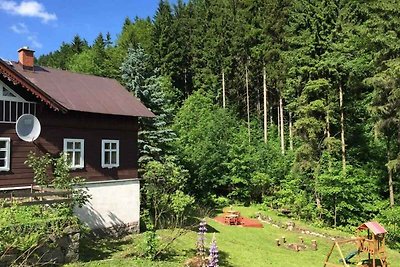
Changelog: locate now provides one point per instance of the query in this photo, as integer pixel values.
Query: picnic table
(232, 217)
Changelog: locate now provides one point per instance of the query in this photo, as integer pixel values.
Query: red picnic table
(232, 217)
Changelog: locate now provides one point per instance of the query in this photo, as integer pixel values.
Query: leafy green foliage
(204, 132)
(390, 219)
(23, 228)
(311, 51)
(164, 185)
(60, 178)
(40, 167)
(64, 180)
(345, 194)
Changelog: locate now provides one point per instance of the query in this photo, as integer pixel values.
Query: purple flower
(201, 251)
(213, 259)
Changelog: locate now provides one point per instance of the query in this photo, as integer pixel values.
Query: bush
(390, 218)
(61, 177)
(23, 228)
(220, 201)
(163, 189)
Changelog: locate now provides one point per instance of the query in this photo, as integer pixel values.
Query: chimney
(26, 58)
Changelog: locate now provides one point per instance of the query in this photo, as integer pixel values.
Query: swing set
(370, 239)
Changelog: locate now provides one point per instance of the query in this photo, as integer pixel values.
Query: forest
(291, 103)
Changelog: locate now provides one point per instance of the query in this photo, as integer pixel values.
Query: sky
(43, 25)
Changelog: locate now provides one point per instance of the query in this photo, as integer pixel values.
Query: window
(4, 154)
(74, 148)
(12, 105)
(7, 93)
(109, 153)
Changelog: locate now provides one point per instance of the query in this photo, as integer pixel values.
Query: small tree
(59, 178)
(163, 192)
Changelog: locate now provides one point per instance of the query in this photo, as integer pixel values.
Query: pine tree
(108, 41)
(134, 34)
(386, 104)
(142, 81)
(78, 44)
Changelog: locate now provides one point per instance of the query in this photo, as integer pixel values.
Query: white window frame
(7, 149)
(21, 106)
(16, 97)
(81, 164)
(103, 150)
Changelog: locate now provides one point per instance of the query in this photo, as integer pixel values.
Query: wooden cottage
(92, 119)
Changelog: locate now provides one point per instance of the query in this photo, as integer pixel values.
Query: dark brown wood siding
(90, 127)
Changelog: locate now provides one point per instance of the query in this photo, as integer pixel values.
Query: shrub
(390, 218)
(23, 228)
(60, 178)
(163, 189)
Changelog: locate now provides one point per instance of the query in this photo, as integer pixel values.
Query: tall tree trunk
(258, 103)
(290, 131)
(278, 109)
(271, 116)
(185, 86)
(342, 127)
(390, 177)
(328, 136)
(328, 126)
(265, 106)
(248, 103)
(281, 124)
(223, 89)
(335, 214)
(328, 131)
(391, 193)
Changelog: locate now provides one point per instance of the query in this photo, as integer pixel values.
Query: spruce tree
(154, 134)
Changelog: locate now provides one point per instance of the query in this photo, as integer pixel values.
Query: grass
(238, 247)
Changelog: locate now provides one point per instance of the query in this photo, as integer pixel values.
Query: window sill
(76, 168)
(110, 167)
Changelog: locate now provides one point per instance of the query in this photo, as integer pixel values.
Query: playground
(239, 246)
(368, 242)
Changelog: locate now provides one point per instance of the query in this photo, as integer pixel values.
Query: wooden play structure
(370, 239)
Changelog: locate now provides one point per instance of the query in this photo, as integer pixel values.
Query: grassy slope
(238, 247)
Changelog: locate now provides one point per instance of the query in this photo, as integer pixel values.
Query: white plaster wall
(113, 204)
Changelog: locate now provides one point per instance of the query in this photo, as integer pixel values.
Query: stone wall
(55, 252)
(116, 231)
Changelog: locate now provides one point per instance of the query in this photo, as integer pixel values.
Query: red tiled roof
(375, 227)
(86, 93)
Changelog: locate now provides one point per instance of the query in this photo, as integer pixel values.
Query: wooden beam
(341, 255)
(29, 194)
(328, 256)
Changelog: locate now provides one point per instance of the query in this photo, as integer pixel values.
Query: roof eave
(17, 78)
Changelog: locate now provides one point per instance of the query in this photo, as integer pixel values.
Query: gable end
(17, 79)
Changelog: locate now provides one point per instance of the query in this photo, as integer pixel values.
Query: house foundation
(114, 206)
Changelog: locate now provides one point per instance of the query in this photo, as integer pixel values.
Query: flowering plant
(213, 258)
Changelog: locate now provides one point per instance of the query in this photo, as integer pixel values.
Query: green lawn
(238, 247)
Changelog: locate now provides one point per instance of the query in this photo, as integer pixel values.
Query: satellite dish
(28, 127)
